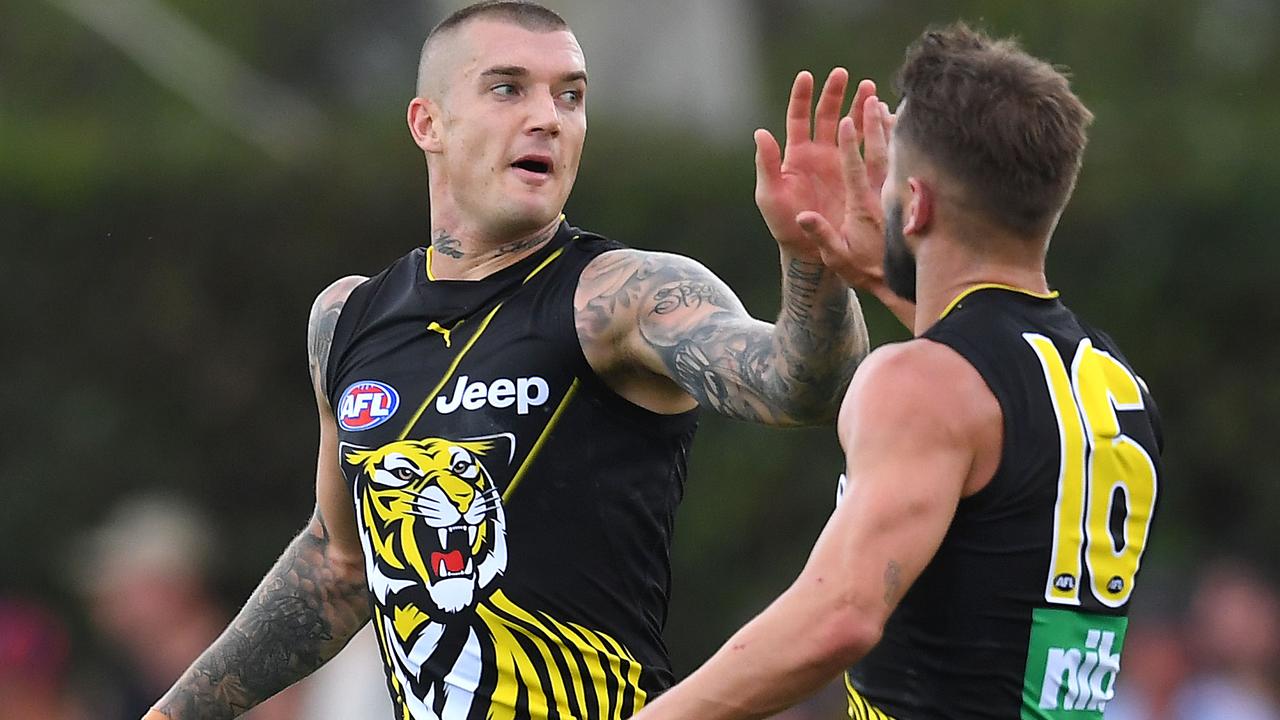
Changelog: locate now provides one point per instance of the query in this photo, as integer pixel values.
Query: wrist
(791, 255)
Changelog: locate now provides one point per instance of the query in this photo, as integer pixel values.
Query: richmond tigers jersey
(1022, 611)
(515, 513)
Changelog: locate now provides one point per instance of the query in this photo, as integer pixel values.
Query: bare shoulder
(324, 318)
(918, 385)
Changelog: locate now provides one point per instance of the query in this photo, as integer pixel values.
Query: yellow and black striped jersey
(1022, 611)
(516, 514)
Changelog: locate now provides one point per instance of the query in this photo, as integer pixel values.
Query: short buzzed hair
(525, 14)
(1002, 123)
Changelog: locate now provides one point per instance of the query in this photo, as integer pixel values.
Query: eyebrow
(521, 71)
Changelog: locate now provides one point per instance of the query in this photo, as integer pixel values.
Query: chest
(496, 376)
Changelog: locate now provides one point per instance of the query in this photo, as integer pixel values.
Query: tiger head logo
(430, 516)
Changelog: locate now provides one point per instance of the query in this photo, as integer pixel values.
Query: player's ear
(919, 209)
(424, 124)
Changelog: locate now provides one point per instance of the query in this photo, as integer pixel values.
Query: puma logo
(437, 327)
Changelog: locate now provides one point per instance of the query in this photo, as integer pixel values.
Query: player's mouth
(453, 559)
(533, 168)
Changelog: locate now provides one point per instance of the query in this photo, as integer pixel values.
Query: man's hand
(856, 249)
(809, 177)
(155, 715)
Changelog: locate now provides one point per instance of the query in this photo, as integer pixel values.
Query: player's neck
(459, 252)
(944, 272)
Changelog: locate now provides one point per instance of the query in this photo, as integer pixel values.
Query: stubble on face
(484, 134)
(899, 262)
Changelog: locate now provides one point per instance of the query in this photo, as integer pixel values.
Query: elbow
(806, 416)
(347, 567)
(846, 625)
(849, 636)
(819, 404)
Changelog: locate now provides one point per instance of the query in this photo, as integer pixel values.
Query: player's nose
(544, 115)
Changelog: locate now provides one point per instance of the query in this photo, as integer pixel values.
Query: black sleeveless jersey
(515, 513)
(1022, 611)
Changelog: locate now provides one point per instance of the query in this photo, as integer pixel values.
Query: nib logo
(1077, 678)
(1072, 664)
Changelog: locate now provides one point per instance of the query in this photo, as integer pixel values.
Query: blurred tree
(159, 262)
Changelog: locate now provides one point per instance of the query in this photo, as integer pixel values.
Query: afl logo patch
(366, 404)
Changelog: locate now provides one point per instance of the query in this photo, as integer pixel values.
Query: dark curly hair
(1004, 124)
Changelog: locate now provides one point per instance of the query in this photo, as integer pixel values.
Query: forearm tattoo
(821, 335)
(787, 374)
(303, 613)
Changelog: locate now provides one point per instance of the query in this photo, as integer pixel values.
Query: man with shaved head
(505, 413)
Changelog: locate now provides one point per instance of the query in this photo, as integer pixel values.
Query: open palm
(852, 243)
(809, 176)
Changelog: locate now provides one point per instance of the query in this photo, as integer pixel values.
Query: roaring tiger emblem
(430, 518)
(434, 532)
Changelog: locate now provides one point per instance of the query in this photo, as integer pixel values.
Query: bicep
(333, 518)
(898, 502)
(909, 429)
(693, 329)
(334, 503)
(679, 303)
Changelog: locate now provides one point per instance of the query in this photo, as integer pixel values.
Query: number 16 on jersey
(1100, 467)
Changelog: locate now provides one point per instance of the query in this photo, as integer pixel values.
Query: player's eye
(571, 96)
(504, 89)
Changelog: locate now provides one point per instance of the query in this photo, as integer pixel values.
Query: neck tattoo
(445, 244)
(516, 246)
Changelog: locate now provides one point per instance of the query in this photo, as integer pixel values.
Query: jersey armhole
(636, 416)
(349, 317)
(965, 350)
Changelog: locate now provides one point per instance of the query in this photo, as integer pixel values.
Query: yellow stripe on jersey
(859, 708)
(457, 360)
(997, 286)
(542, 440)
(432, 276)
(556, 663)
(453, 366)
(595, 670)
(550, 259)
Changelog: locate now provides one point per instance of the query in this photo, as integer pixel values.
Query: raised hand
(852, 243)
(808, 177)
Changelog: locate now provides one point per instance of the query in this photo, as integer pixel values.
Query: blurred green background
(179, 178)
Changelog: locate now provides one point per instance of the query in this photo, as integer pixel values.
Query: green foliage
(159, 269)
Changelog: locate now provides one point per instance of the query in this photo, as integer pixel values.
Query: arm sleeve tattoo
(304, 611)
(793, 372)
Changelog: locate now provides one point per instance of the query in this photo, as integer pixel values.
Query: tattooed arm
(670, 317)
(920, 430)
(313, 600)
(644, 315)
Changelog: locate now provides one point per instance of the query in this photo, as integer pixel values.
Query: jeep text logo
(524, 393)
